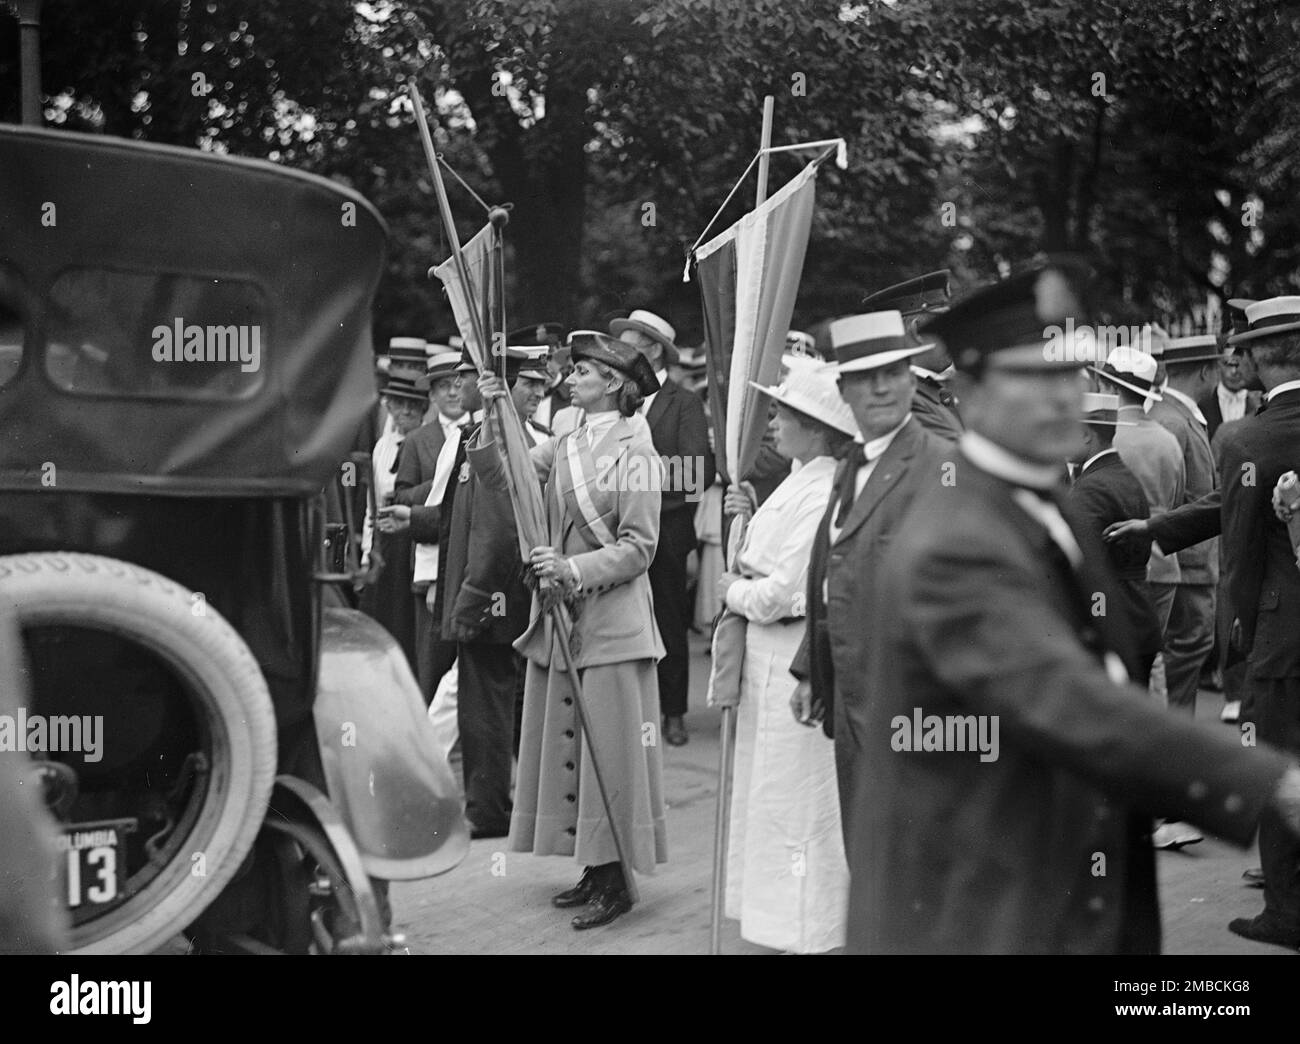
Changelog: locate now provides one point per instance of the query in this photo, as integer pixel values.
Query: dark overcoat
(1038, 849)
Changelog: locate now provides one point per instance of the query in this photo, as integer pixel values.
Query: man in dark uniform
(934, 404)
(998, 808)
(1262, 583)
(1105, 491)
(873, 490)
(485, 607)
(680, 432)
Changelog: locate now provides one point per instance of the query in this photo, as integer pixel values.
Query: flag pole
(559, 615)
(727, 727)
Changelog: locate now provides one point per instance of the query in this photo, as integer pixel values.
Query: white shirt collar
(599, 423)
(873, 448)
(1000, 463)
(921, 371)
(447, 422)
(1096, 456)
(1228, 395)
(1189, 402)
(1285, 386)
(661, 376)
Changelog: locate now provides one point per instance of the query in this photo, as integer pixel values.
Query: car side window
(155, 334)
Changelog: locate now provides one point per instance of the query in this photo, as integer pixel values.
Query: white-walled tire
(231, 700)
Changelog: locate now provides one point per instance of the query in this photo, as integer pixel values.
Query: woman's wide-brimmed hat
(653, 326)
(814, 394)
(621, 356)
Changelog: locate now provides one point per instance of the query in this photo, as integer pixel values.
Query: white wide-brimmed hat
(870, 341)
(1133, 369)
(814, 394)
(652, 326)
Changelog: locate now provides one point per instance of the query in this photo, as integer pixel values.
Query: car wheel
(212, 806)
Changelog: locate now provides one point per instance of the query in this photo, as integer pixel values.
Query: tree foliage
(1159, 137)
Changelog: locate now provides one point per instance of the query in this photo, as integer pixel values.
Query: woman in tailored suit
(602, 499)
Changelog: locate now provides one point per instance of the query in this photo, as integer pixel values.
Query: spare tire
(228, 701)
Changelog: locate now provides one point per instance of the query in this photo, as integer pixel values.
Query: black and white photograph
(651, 477)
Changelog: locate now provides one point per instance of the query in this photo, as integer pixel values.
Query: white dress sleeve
(783, 592)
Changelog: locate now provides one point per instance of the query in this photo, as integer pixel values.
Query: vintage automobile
(232, 754)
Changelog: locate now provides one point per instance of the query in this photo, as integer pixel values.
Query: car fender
(385, 774)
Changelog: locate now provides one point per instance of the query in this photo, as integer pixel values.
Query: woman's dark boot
(609, 901)
(581, 893)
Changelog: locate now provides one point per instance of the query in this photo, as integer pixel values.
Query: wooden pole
(558, 612)
(727, 728)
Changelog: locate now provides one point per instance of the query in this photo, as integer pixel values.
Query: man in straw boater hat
(1263, 584)
(934, 404)
(416, 466)
(1153, 455)
(874, 487)
(1007, 753)
(1191, 366)
(680, 432)
(1104, 491)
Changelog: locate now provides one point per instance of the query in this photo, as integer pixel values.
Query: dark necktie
(848, 485)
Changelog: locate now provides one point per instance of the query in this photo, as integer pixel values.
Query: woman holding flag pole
(602, 496)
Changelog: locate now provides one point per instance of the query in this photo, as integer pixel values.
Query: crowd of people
(963, 605)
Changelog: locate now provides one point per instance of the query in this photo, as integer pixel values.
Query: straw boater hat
(652, 326)
(1198, 348)
(442, 363)
(1265, 318)
(405, 388)
(1103, 408)
(409, 350)
(621, 356)
(814, 394)
(1006, 325)
(1133, 369)
(870, 341)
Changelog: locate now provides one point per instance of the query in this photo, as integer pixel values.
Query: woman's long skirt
(557, 809)
(787, 877)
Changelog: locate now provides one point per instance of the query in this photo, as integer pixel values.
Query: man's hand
(1133, 527)
(805, 709)
(430, 597)
(394, 518)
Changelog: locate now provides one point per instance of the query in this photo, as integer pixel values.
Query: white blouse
(778, 546)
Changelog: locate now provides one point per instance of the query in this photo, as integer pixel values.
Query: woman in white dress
(787, 878)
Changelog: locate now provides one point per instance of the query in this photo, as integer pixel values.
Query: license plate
(93, 866)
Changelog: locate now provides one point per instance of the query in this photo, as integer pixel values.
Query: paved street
(498, 902)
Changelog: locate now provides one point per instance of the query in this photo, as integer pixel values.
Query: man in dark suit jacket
(680, 432)
(1262, 583)
(873, 491)
(1190, 363)
(1105, 491)
(1008, 759)
(1231, 391)
(416, 463)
